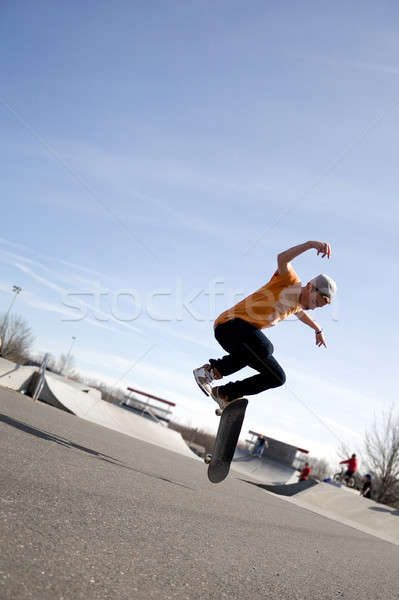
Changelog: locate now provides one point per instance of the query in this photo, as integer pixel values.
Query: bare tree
(66, 365)
(108, 393)
(16, 338)
(51, 362)
(38, 357)
(344, 452)
(321, 468)
(381, 447)
(194, 436)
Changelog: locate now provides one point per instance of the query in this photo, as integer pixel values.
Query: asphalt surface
(89, 513)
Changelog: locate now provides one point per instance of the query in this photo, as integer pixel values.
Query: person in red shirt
(352, 466)
(304, 476)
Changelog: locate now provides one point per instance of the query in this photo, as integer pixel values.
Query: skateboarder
(238, 329)
(259, 447)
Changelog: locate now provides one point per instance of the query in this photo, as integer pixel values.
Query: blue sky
(155, 152)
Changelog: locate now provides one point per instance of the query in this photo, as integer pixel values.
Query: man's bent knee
(277, 379)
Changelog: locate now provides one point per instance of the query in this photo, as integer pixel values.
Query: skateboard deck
(226, 440)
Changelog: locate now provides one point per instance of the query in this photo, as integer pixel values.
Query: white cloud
(64, 294)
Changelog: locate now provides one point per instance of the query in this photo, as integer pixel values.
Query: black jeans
(246, 346)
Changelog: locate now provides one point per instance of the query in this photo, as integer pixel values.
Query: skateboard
(226, 440)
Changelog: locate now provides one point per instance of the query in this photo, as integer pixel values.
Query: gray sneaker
(204, 377)
(219, 398)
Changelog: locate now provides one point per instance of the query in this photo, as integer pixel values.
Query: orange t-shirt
(272, 303)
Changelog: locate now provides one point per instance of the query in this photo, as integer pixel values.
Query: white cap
(325, 285)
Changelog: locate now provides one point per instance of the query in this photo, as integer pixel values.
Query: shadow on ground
(51, 437)
(391, 511)
(287, 489)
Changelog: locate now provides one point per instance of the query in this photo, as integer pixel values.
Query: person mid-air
(238, 329)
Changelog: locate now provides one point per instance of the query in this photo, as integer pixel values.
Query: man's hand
(322, 248)
(320, 341)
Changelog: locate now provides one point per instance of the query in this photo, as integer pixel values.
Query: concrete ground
(90, 513)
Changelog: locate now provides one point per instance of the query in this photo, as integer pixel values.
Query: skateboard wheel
(207, 458)
(218, 412)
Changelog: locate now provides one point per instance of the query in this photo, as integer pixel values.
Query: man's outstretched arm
(284, 258)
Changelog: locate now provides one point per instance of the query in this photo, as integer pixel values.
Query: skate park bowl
(91, 513)
(86, 403)
(329, 500)
(262, 469)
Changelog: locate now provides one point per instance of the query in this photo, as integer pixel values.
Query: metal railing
(40, 379)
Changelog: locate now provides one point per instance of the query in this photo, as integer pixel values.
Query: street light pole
(17, 290)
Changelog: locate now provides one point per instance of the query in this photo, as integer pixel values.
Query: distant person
(352, 466)
(260, 446)
(367, 487)
(239, 329)
(304, 476)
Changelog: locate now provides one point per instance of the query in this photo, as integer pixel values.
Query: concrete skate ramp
(343, 505)
(262, 469)
(91, 407)
(350, 508)
(46, 394)
(6, 366)
(86, 403)
(76, 385)
(14, 376)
